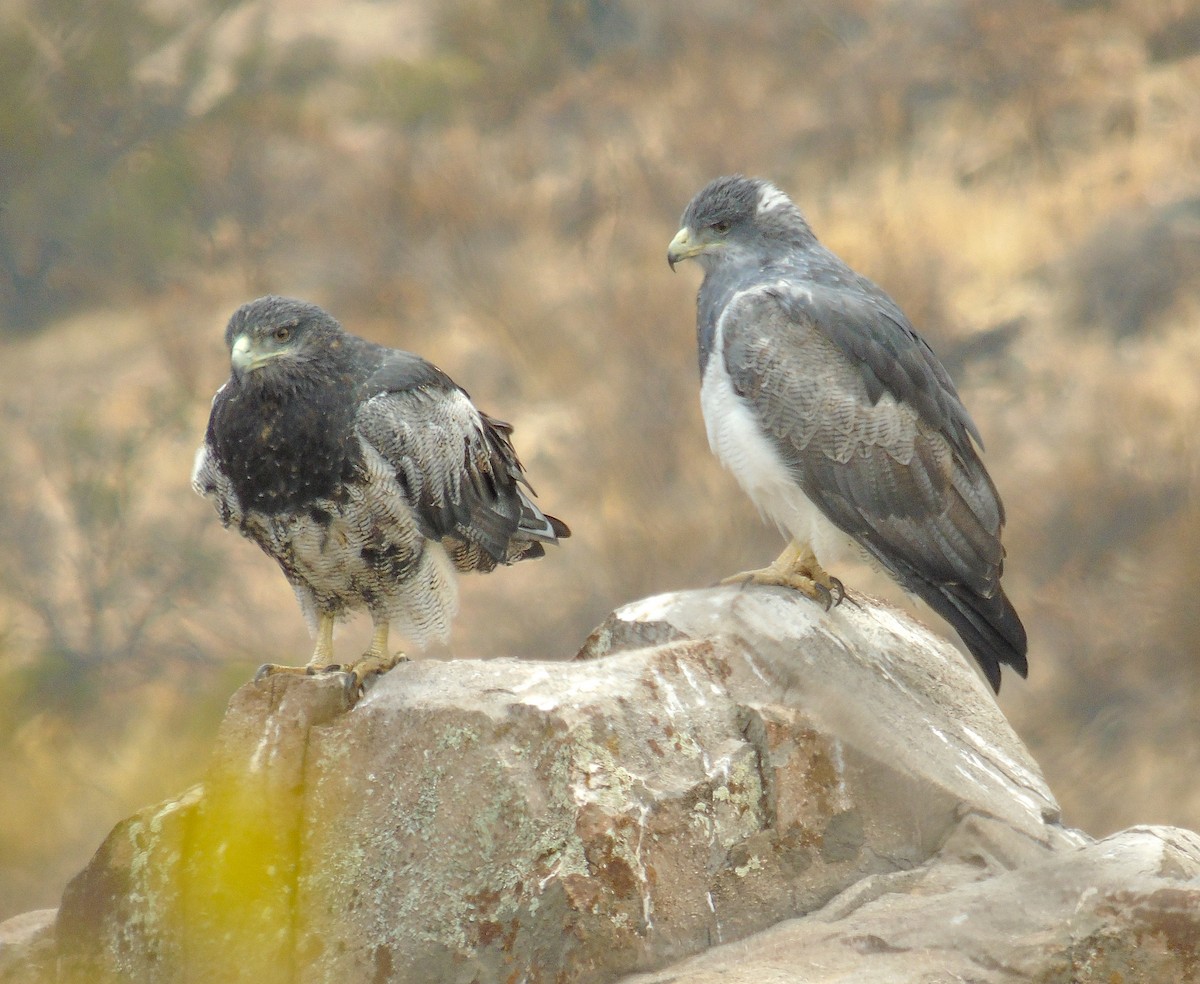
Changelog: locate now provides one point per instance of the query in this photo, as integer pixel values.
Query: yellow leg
(796, 568)
(322, 657)
(323, 652)
(376, 660)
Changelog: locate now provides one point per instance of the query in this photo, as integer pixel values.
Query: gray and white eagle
(366, 473)
(839, 421)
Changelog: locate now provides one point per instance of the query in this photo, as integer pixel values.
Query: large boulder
(712, 764)
(1124, 910)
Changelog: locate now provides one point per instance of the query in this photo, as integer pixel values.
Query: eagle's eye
(282, 333)
(721, 227)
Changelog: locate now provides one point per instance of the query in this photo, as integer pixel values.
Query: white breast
(741, 446)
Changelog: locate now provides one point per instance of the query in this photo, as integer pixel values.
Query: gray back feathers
(855, 404)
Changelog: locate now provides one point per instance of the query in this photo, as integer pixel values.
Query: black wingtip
(989, 626)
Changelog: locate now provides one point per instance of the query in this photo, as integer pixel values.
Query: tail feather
(532, 524)
(990, 626)
(537, 525)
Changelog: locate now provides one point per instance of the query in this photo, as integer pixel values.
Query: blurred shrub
(1134, 267)
(407, 93)
(95, 557)
(107, 675)
(137, 141)
(71, 113)
(514, 51)
(106, 176)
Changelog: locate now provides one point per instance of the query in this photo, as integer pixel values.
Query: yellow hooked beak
(246, 357)
(683, 247)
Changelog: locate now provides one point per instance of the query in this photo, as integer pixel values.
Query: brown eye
(282, 333)
(721, 227)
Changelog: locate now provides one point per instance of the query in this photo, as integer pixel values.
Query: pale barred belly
(366, 553)
(740, 445)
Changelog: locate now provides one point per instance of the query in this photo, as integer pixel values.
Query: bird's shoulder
(397, 371)
(853, 327)
(455, 464)
(410, 407)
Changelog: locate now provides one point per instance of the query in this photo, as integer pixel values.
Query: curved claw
(822, 595)
(827, 595)
(837, 590)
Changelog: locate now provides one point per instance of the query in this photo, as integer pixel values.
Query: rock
(1125, 909)
(27, 951)
(207, 881)
(712, 764)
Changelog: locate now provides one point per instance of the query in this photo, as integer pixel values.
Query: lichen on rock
(711, 764)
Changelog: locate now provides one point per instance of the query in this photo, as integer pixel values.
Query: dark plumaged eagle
(366, 473)
(838, 420)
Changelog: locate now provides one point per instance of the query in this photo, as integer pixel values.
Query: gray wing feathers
(458, 473)
(888, 471)
(883, 450)
(894, 358)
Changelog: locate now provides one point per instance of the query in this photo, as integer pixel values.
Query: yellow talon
(796, 568)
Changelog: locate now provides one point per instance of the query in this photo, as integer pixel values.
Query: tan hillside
(493, 185)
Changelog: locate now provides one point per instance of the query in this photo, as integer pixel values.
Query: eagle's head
(738, 218)
(278, 338)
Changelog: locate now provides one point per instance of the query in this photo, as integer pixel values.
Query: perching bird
(366, 473)
(838, 420)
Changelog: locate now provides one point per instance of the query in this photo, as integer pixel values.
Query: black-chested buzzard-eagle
(366, 473)
(838, 420)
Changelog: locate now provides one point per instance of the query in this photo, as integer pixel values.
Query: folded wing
(873, 432)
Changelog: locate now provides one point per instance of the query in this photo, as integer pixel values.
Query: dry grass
(519, 240)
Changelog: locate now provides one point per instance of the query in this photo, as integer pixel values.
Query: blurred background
(493, 183)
